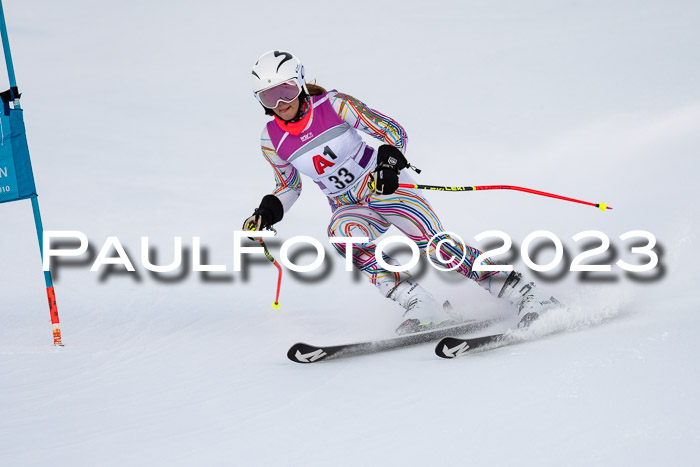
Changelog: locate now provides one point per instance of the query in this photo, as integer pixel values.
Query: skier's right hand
(266, 215)
(260, 220)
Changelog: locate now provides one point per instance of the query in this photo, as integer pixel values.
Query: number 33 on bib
(340, 177)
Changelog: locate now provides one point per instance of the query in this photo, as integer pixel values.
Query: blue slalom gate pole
(25, 166)
(6, 48)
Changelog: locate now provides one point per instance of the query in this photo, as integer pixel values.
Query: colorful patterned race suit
(329, 150)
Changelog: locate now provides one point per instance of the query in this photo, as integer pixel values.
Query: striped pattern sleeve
(368, 120)
(287, 179)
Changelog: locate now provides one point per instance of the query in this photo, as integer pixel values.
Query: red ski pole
(602, 206)
(276, 303)
(252, 227)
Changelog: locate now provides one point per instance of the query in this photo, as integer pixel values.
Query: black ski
(451, 347)
(305, 353)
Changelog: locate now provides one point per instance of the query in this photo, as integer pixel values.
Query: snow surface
(141, 122)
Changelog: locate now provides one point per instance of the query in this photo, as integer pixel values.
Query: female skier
(314, 132)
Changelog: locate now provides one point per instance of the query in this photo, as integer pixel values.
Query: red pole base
(53, 309)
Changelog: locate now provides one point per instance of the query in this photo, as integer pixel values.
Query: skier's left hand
(390, 161)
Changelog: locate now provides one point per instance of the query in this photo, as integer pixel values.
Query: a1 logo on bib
(321, 164)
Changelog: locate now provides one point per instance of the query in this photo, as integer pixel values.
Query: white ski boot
(530, 302)
(423, 312)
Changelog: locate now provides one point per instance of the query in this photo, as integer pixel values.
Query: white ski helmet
(280, 70)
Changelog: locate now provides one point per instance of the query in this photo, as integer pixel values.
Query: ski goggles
(284, 92)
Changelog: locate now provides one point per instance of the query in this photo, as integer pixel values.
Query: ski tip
(603, 207)
(305, 353)
(450, 347)
(276, 305)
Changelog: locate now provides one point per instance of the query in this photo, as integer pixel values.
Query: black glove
(390, 161)
(264, 217)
